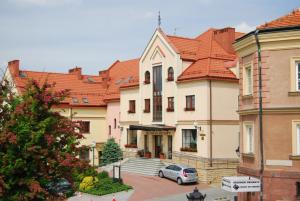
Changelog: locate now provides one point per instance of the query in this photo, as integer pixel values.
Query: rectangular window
(84, 155)
(85, 126)
(131, 106)
(157, 93)
(248, 138)
(147, 106)
(298, 76)
(190, 103)
(189, 138)
(298, 189)
(170, 104)
(248, 81)
(298, 139)
(131, 137)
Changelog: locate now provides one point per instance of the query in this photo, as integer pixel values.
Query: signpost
(241, 184)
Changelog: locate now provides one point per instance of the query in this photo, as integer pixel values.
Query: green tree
(37, 144)
(111, 152)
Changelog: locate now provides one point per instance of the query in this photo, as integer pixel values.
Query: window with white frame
(248, 80)
(298, 139)
(298, 76)
(248, 138)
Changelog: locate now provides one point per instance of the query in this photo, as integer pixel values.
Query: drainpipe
(210, 124)
(260, 116)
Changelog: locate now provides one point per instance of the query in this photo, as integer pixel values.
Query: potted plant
(147, 154)
(162, 156)
(140, 153)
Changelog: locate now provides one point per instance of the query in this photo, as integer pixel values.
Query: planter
(188, 149)
(147, 155)
(162, 156)
(130, 146)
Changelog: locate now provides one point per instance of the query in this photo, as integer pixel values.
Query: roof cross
(159, 19)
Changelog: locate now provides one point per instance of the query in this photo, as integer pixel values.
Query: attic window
(75, 100)
(22, 74)
(85, 100)
(118, 82)
(127, 80)
(90, 79)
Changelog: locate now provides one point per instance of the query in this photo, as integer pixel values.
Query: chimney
(104, 74)
(76, 71)
(225, 37)
(14, 67)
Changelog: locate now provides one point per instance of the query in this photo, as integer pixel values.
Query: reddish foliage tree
(37, 144)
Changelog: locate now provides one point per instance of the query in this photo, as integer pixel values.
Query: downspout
(260, 116)
(210, 124)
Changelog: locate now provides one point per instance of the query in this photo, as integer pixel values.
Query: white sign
(241, 184)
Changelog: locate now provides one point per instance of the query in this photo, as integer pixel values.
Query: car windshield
(190, 170)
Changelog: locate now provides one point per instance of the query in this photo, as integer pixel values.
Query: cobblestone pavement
(211, 194)
(155, 189)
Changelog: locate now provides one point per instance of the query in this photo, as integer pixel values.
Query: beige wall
(126, 95)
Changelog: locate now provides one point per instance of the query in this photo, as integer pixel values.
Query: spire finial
(159, 19)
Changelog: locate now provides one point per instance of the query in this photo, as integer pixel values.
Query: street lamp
(93, 145)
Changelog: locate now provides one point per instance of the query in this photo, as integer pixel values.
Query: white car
(180, 173)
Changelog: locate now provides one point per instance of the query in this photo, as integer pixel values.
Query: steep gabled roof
(289, 20)
(121, 73)
(209, 52)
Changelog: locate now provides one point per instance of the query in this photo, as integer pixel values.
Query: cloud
(44, 3)
(244, 27)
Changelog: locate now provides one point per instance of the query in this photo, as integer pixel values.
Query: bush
(111, 152)
(88, 183)
(103, 175)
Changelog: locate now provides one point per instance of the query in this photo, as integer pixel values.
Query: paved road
(122, 196)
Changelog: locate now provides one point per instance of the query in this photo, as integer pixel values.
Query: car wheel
(179, 181)
(161, 174)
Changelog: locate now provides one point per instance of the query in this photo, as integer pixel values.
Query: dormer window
(75, 100)
(85, 100)
(170, 74)
(147, 77)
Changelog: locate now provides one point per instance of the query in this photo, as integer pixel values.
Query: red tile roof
(209, 52)
(289, 20)
(88, 87)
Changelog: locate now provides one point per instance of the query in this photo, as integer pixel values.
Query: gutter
(260, 115)
(210, 123)
(268, 30)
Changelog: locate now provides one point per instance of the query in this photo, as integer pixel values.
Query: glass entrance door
(157, 145)
(170, 146)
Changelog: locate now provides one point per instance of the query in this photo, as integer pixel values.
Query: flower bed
(188, 149)
(130, 145)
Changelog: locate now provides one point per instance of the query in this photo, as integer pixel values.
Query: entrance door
(170, 147)
(157, 145)
(146, 143)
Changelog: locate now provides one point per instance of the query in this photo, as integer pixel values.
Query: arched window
(170, 74)
(147, 77)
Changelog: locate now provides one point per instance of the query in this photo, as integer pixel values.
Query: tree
(111, 152)
(37, 144)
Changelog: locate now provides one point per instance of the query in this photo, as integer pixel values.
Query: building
(86, 102)
(182, 107)
(119, 73)
(278, 161)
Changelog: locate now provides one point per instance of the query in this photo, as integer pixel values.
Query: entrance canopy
(157, 127)
(241, 184)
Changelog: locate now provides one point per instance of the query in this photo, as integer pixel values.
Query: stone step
(142, 166)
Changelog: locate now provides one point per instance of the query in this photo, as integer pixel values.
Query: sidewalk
(122, 196)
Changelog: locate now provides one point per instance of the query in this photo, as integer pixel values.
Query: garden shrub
(88, 183)
(103, 175)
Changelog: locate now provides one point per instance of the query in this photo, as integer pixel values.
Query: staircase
(145, 166)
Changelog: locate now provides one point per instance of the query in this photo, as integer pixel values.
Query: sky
(56, 35)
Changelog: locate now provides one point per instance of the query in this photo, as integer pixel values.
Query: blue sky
(55, 35)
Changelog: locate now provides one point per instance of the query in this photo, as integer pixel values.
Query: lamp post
(93, 145)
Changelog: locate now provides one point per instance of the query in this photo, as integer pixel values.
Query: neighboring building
(183, 106)
(85, 103)
(119, 73)
(280, 55)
